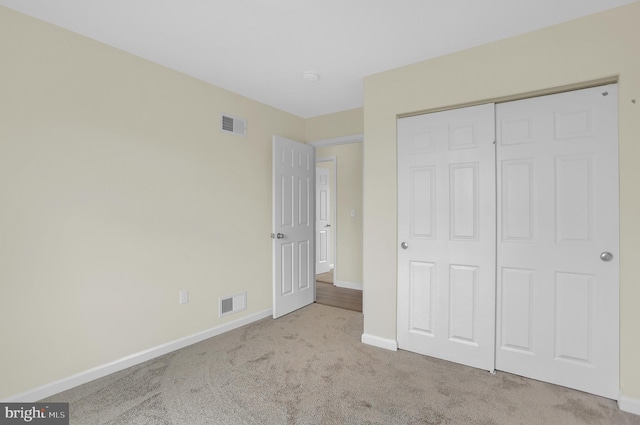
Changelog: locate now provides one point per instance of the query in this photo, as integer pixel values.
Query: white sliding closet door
(551, 312)
(557, 305)
(447, 235)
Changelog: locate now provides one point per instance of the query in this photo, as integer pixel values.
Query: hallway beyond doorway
(328, 294)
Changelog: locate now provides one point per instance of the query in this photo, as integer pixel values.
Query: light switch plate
(184, 296)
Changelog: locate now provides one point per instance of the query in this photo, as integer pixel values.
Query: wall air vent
(232, 304)
(233, 125)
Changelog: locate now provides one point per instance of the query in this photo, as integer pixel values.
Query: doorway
(341, 160)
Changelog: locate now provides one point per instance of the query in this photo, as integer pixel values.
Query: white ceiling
(261, 48)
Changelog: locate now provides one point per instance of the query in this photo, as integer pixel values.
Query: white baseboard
(89, 375)
(348, 285)
(628, 404)
(376, 341)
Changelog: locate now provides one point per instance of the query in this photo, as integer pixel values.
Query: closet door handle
(606, 256)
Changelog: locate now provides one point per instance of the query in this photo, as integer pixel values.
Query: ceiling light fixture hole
(311, 76)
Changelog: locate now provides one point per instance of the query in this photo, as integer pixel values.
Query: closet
(508, 231)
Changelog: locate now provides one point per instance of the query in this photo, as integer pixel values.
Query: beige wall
(118, 189)
(596, 47)
(339, 124)
(349, 197)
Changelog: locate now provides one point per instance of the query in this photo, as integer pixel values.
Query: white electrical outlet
(184, 296)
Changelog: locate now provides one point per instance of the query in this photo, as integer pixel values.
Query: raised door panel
(518, 204)
(287, 188)
(573, 317)
(323, 220)
(573, 123)
(287, 269)
(463, 308)
(463, 196)
(323, 203)
(305, 275)
(322, 246)
(304, 202)
(516, 300)
(574, 199)
(463, 135)
(421, 297)
(421, 140)
(423, 202)
(516, 131)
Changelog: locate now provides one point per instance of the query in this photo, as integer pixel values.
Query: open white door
(446, 227)
(323, 221)
(293, 226)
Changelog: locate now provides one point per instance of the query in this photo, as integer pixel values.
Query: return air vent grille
(235, 125)
(226, 306)
(232, 304)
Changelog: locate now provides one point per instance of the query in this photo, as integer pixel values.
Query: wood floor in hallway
(328, 294)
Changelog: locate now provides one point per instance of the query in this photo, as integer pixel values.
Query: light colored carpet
(309, 367)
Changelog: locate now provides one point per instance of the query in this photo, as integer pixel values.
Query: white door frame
(356, 138)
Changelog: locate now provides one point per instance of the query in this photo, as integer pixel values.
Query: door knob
(606, 256)
(278, 236)
(404, 245)
(328, 225)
